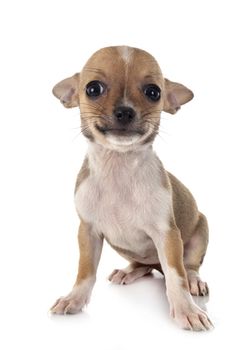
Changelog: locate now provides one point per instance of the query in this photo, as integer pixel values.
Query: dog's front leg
(182, 307)
(90, 246)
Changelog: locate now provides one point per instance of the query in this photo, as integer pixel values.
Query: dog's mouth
(122, 131)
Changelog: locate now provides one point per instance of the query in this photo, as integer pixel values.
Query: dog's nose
(124, 115)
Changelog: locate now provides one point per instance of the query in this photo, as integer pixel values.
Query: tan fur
(196, 246)
(124, 194)
(67, 91)
(90, 246)
(186, 213)
(177, 95)
(107, 61)
(188, 220)
(173, 248)
(104, 65)
(85, 267)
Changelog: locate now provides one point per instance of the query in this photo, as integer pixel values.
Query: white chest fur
(124, 198)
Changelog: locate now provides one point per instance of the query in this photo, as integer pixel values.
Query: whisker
(158, 126)
(160, 136)
(150, 111)
(82, 129)
(95, 105)
(90, 116)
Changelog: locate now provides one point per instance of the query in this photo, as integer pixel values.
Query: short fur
(123, 193)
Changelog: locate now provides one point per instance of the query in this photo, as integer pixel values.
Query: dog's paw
(127, 277)
(119, 277)
(71, 304)
(192, 318)
(197, 286)
(75, 300)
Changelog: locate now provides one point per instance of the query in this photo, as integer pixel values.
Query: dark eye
(152, 91)
(95, 88)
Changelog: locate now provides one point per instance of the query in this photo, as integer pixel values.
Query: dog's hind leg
(194, 252)
(131, 273)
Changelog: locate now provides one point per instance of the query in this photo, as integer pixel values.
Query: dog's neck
(102, 159)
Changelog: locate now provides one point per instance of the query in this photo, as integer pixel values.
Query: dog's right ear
(67, 91)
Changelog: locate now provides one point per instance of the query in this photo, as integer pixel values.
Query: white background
(198, 43)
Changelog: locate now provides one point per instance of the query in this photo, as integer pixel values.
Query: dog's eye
(152, 91)
(95, 88)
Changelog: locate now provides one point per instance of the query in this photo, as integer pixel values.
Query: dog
(123, 194)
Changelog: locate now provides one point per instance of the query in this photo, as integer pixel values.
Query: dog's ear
(175, 95)
(67, 91)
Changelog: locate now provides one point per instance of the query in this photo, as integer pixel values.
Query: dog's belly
(125, 214)
(144, 254)
(128, 239)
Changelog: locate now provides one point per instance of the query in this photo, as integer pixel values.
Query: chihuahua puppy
(123, 193)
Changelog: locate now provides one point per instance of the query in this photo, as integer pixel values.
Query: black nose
(124, 115)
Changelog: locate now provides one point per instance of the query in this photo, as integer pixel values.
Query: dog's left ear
(67, 91)
(175, 95)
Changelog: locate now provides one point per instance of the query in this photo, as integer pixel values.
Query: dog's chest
(123, 198)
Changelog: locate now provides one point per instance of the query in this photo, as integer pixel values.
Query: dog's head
(121, 93)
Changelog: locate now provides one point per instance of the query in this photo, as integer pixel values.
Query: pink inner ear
(67, 97)
(173, 101)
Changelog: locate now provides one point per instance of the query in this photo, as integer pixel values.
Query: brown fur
(85, 266)
(173, 249)
(186, 223)
(124, 72)
(108, 65)
(67, 91)
(195, 248)
(186, 213)
(176, 96)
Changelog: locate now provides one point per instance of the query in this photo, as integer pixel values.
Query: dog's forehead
(117, 61)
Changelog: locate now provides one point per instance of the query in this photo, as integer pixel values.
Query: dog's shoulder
(83, 173)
